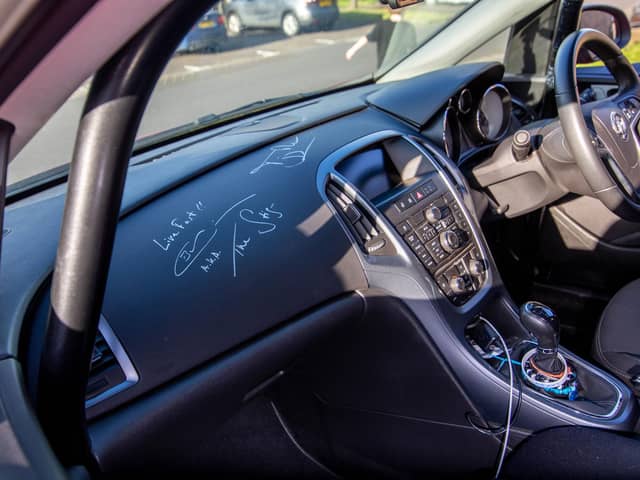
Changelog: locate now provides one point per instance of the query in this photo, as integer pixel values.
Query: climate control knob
(433, 214)
(450, 241)
(477, 267)
(457, 284)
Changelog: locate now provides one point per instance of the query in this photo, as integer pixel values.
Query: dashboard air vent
(105, 372)
(371, 239)
(111, 371)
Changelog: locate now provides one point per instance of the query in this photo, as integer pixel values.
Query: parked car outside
(206, 34)
(289, 15)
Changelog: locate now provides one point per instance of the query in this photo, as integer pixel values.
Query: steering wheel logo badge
(619, 125)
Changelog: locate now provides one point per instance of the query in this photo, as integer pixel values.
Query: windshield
(244, 55)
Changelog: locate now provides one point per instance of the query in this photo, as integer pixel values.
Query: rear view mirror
(609, 20)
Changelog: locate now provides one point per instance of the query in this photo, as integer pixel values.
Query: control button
(405, 202)
(433, 244)
(412, 239)
(457, 284)
(433, 214)
(375, 245)
(448, 221)
(410, 200)
(403, 228)
(418, 249)
(418, 195)
(428, 188)
(440, 227)
(427, 260)
(401, 205)
(448, 198)
(439, 256)
(477, 267)
(521, 145)
(426, 233)
(450, 240)
(463, 225)
(443, 283)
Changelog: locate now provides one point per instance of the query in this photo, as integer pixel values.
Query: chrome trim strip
(119, 353)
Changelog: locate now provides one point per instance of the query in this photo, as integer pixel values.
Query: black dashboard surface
(207, 249)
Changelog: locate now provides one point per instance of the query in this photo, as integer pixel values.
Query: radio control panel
(433, 225)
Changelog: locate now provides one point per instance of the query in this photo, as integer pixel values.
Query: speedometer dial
(451, 134)
(494, 113)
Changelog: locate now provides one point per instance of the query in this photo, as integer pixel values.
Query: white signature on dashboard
(179, 224)
(198, 242)
(264, 219)
(193, 248)
(285, 155)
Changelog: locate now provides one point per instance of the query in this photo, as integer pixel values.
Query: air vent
(111, 370)
(370, 238)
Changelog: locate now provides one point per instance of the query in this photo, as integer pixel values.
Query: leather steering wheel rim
(607, 184)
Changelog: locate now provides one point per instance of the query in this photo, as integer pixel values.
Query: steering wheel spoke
(603, 135)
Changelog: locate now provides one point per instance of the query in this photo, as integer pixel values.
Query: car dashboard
(239, 247)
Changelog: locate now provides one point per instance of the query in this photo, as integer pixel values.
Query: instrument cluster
(473, 119)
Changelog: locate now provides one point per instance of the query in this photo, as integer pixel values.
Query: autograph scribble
(179, 224)
(286, 155)
(199, 241)
(192, 249)
(263, 219)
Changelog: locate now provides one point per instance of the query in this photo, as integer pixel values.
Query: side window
(523, 48)
(529, 50)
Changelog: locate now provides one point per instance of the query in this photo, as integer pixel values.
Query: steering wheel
(603, 135)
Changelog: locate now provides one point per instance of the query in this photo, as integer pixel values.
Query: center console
(419, 242)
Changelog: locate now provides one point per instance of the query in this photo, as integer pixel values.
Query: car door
(267, 12)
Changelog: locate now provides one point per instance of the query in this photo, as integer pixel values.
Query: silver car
(289, 15)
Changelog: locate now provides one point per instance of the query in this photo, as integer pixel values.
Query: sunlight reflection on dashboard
(314, 222)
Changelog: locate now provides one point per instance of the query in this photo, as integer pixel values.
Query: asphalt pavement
(255, 66)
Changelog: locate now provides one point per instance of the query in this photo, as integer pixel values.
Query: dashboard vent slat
(362, 225)
(105, 372)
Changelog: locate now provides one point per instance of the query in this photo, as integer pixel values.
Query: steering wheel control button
(521, 145)
(629, 107)
(619, 125)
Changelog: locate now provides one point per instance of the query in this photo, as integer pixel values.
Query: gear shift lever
(543, 323)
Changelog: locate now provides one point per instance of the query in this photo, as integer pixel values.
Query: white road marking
(325, 41)
(197, 68)
(267, 53)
